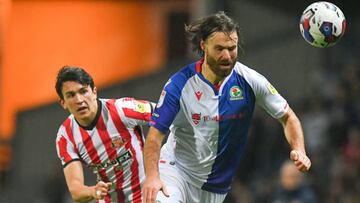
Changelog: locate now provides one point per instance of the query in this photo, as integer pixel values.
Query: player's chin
(225, 70)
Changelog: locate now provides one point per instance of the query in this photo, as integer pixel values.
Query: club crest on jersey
(117, 142)
(235, 93)
(161, 99)
(196, 117)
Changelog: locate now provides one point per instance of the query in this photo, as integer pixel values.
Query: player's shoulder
(252, 76)
(66, 126)
(185, 72)
(245, 70)
(106, 102)
(179, 78)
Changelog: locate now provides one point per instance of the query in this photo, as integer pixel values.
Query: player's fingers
(101, 184)
(309, 164)
(294, 155)
(108, 185)
(144, 193)
(305, 161)
(299, 165)
(99, 193)
(164, 191)
(153, 196)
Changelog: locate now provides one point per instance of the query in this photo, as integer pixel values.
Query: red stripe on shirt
(62, 143)
(90, 148)
(112, 154)
(69, 133)
(121, 128)
(139, 136)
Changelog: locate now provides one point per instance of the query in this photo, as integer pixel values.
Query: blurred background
(131, 47)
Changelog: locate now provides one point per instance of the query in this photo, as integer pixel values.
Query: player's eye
(69, 95)
(232, 48)
(83, 91)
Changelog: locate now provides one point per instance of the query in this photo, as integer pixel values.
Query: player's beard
(217, 68)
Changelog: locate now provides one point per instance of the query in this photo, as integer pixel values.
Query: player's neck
(210, 75)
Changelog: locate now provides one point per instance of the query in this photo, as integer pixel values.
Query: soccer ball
(322, 24)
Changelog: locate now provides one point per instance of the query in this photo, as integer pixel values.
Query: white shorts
(179, 189)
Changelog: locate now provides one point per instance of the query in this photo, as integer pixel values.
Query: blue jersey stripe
(236, 110)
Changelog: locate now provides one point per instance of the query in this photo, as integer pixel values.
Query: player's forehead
(73, 86)
(223, 39)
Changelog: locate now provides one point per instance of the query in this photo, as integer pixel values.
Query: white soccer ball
(322, 24)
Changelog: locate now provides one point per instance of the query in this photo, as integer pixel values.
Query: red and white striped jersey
(111, 146)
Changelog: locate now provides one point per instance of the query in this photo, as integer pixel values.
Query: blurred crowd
(330, 116)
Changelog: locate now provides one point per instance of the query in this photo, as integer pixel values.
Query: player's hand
(151, 188)
(301, 161)
(101, 189)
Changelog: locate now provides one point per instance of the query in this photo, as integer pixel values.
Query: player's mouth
(82, 109)
(225, 65)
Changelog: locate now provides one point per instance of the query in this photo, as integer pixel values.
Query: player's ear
(202, 45)
(62, 103)
(95, 92)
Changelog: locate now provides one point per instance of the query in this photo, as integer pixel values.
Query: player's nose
(79, 98)
(225, 54)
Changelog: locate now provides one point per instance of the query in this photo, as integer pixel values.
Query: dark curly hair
(201, 29)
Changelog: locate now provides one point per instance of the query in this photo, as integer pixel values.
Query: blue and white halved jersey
(208, 128)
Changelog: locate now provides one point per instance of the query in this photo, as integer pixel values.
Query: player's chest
(200, 99)
(101, 144)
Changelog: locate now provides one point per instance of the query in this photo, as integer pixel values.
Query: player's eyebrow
(225, 47)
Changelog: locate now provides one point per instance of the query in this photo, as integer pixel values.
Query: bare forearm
(75, 182)
(295, 137)
(293, 131)
(152, 152)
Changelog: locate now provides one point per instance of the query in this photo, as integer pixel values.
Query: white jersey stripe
(121, 128)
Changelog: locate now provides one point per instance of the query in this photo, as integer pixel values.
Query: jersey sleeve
(135, 111)
(168, 104)
(65, 149)
(266, 95)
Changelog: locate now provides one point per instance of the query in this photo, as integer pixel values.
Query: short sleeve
(65, 148)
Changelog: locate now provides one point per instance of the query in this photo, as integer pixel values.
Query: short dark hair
(72, 73)
(201, 29)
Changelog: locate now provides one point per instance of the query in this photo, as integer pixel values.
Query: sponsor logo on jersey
(235, 93)
(117, 142)
(118, 162)
(161, 99)
(196, 117)
(198, 95)
(272, 89)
